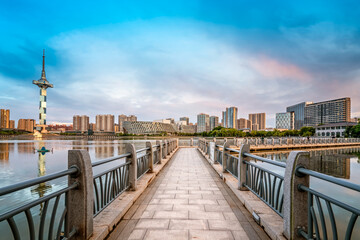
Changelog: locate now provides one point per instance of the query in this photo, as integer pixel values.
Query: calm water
(19, 161)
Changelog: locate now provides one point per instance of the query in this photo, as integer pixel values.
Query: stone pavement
(188, 200)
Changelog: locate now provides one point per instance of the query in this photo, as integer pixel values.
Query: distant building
(299, 114)
(187, 129)
(26, 125)
(142, 127)
(331, 111)
(243, 123)
(172, 121)
(285, 120)
(12, 124)
(332, 129)
(60, 128)
(258, 121)
(230, 117)
(81, 123)
(105, 123)
(203, 123)
(214, 122)
(355, 120)
(123, 118)
(5, 118)
(167, 121)
(92, 127)
(185, 119)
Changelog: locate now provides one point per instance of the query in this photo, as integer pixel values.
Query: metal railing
(316, 214)
(64, 211)
(265, 184)
(54, 207)
(142, 162)
(109, 184)
(274, 189)
(294, 141)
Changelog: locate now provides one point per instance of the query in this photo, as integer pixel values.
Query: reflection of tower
(44, 187)
(43, 84)
(4, 152)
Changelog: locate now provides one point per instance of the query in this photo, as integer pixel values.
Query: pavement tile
(210, 235)
(166, 234)
(225, 225)
(153, 223)
(187, 224)
(171, 214)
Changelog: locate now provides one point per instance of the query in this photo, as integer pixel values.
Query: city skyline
(182, 59)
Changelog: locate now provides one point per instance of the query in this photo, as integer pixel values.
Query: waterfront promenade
(188, 200)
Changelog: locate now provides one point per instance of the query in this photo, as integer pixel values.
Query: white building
(333, 129)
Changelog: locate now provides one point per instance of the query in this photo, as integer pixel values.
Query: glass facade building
(203, 123)
(285, 120)
(229, 117)
(332, 111)
(298, 110)
(214, 122)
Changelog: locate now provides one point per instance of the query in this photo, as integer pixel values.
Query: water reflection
(334, 162)
(103, 150)
(44, 187)
(4, 152)
(26, 147)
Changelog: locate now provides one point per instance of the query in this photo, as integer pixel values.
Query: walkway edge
(106, 221)
(271, 222)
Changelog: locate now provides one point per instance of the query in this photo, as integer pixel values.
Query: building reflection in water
(44, 187)
(4, 152)
(26, 147)
(103, 150)
(334, 162)
(80, 144)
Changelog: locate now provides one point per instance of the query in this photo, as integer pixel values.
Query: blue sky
(160, 59)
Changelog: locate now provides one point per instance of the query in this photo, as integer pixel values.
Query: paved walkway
(188, 200)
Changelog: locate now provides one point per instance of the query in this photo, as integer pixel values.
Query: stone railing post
(81, 200)
(244, 148)
(177, 143)
(295, 201)
(159, 152)
(168, 147)
(224, 157)
(212, 151)
(150, 153)
(164, 150)
(130, 148)
(191, 142)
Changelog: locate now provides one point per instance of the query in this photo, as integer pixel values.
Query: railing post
(130, 148)
(167, 147)
(150, 154)
(295, 201)
(244, 148)
(158, 142)
(81, 200)
(191, 142)
(224, 158)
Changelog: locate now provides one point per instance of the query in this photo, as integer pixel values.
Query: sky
(162, 59)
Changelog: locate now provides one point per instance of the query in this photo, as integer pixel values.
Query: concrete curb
(271, 222)
(106, 220)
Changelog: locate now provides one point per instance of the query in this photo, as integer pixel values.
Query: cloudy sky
(160, 59)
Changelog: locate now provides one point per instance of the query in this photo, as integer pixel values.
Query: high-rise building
(43, 84)
(105, 123)
(229, 117)
(5, 118)
(186, 119)
(203, 123)
(285, 120)
(243, 124)
(123, 118)
(258, 121)
(12, 124)
(223, 119)
(214, 122)
(331, 111)
(298, 110)
(26, 125)
(81, 123)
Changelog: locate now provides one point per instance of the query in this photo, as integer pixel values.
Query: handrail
(29, 183)
(142, 149)
(233, 150)
(111, 169)
(279, 164)
(328, 178)
(106, 160)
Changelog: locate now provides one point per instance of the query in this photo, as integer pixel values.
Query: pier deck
(188, 200)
